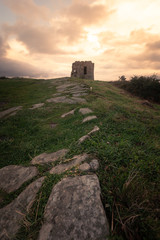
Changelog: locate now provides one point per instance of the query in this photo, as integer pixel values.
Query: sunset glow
(46, 37)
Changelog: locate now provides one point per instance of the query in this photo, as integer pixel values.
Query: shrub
(147, 87)
(122, 78)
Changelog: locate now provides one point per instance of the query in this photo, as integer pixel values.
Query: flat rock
(79, 88)
(76, 160)
(49, 157)
(11, 114)
(89, 118)
(62, 99)
(76, 91)
(85, 111)
(56, 94)
(74, 211)
(63, 87)
(12, 177)
(76, 88)
(79, 94)
(78, 100)
(94, 164)
(10, 111)
(95, 129)
(84, 167)
(12, 214)
(69, 113)
(38, 105)
(82, 139)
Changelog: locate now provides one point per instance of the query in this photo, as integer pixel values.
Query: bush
(122, 78)
(147, 87)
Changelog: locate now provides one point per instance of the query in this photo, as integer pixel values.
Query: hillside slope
(127, 147)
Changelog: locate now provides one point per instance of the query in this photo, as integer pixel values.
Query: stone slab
(92, 166)
(95, 129)
(12, 215)
(38, 105)
(81, 90)
(89, 118)
(82, 139)
(63, 87)
(45, 158)
(78, 100)
(69, 113)
(74, 211)
(79, 94)
(76, 160)
(56, 94)
(62, 99)
(77, 88)
(9, 111)
(85, 111)
(11, 114)
(12, 177)
(84, 167)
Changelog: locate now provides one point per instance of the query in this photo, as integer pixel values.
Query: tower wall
(83, 69)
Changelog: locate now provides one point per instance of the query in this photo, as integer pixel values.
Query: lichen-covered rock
(12, 177)
(12, 214)
(75, 211)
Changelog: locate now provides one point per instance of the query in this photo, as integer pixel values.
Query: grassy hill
(127, 146)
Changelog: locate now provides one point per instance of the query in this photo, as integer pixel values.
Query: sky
(42, 38)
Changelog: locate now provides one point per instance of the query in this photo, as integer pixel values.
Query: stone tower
(83, 70)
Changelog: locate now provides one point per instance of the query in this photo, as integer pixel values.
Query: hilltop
(46, 116)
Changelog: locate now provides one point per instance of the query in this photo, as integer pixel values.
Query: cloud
(154, 46)
(87, 14)
(37, 40)
(62, 33)
(28, 9)
(149, 56)
(103, 31)
(143, 36)
(3, 47)
(11, 68)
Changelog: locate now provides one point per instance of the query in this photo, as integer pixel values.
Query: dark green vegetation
(147, 87)
(127, 145)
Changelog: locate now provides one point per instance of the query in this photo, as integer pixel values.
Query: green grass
(127, 145)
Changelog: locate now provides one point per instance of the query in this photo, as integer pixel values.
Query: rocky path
(74, 209)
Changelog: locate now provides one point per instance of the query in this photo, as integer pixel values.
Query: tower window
(85, 70)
